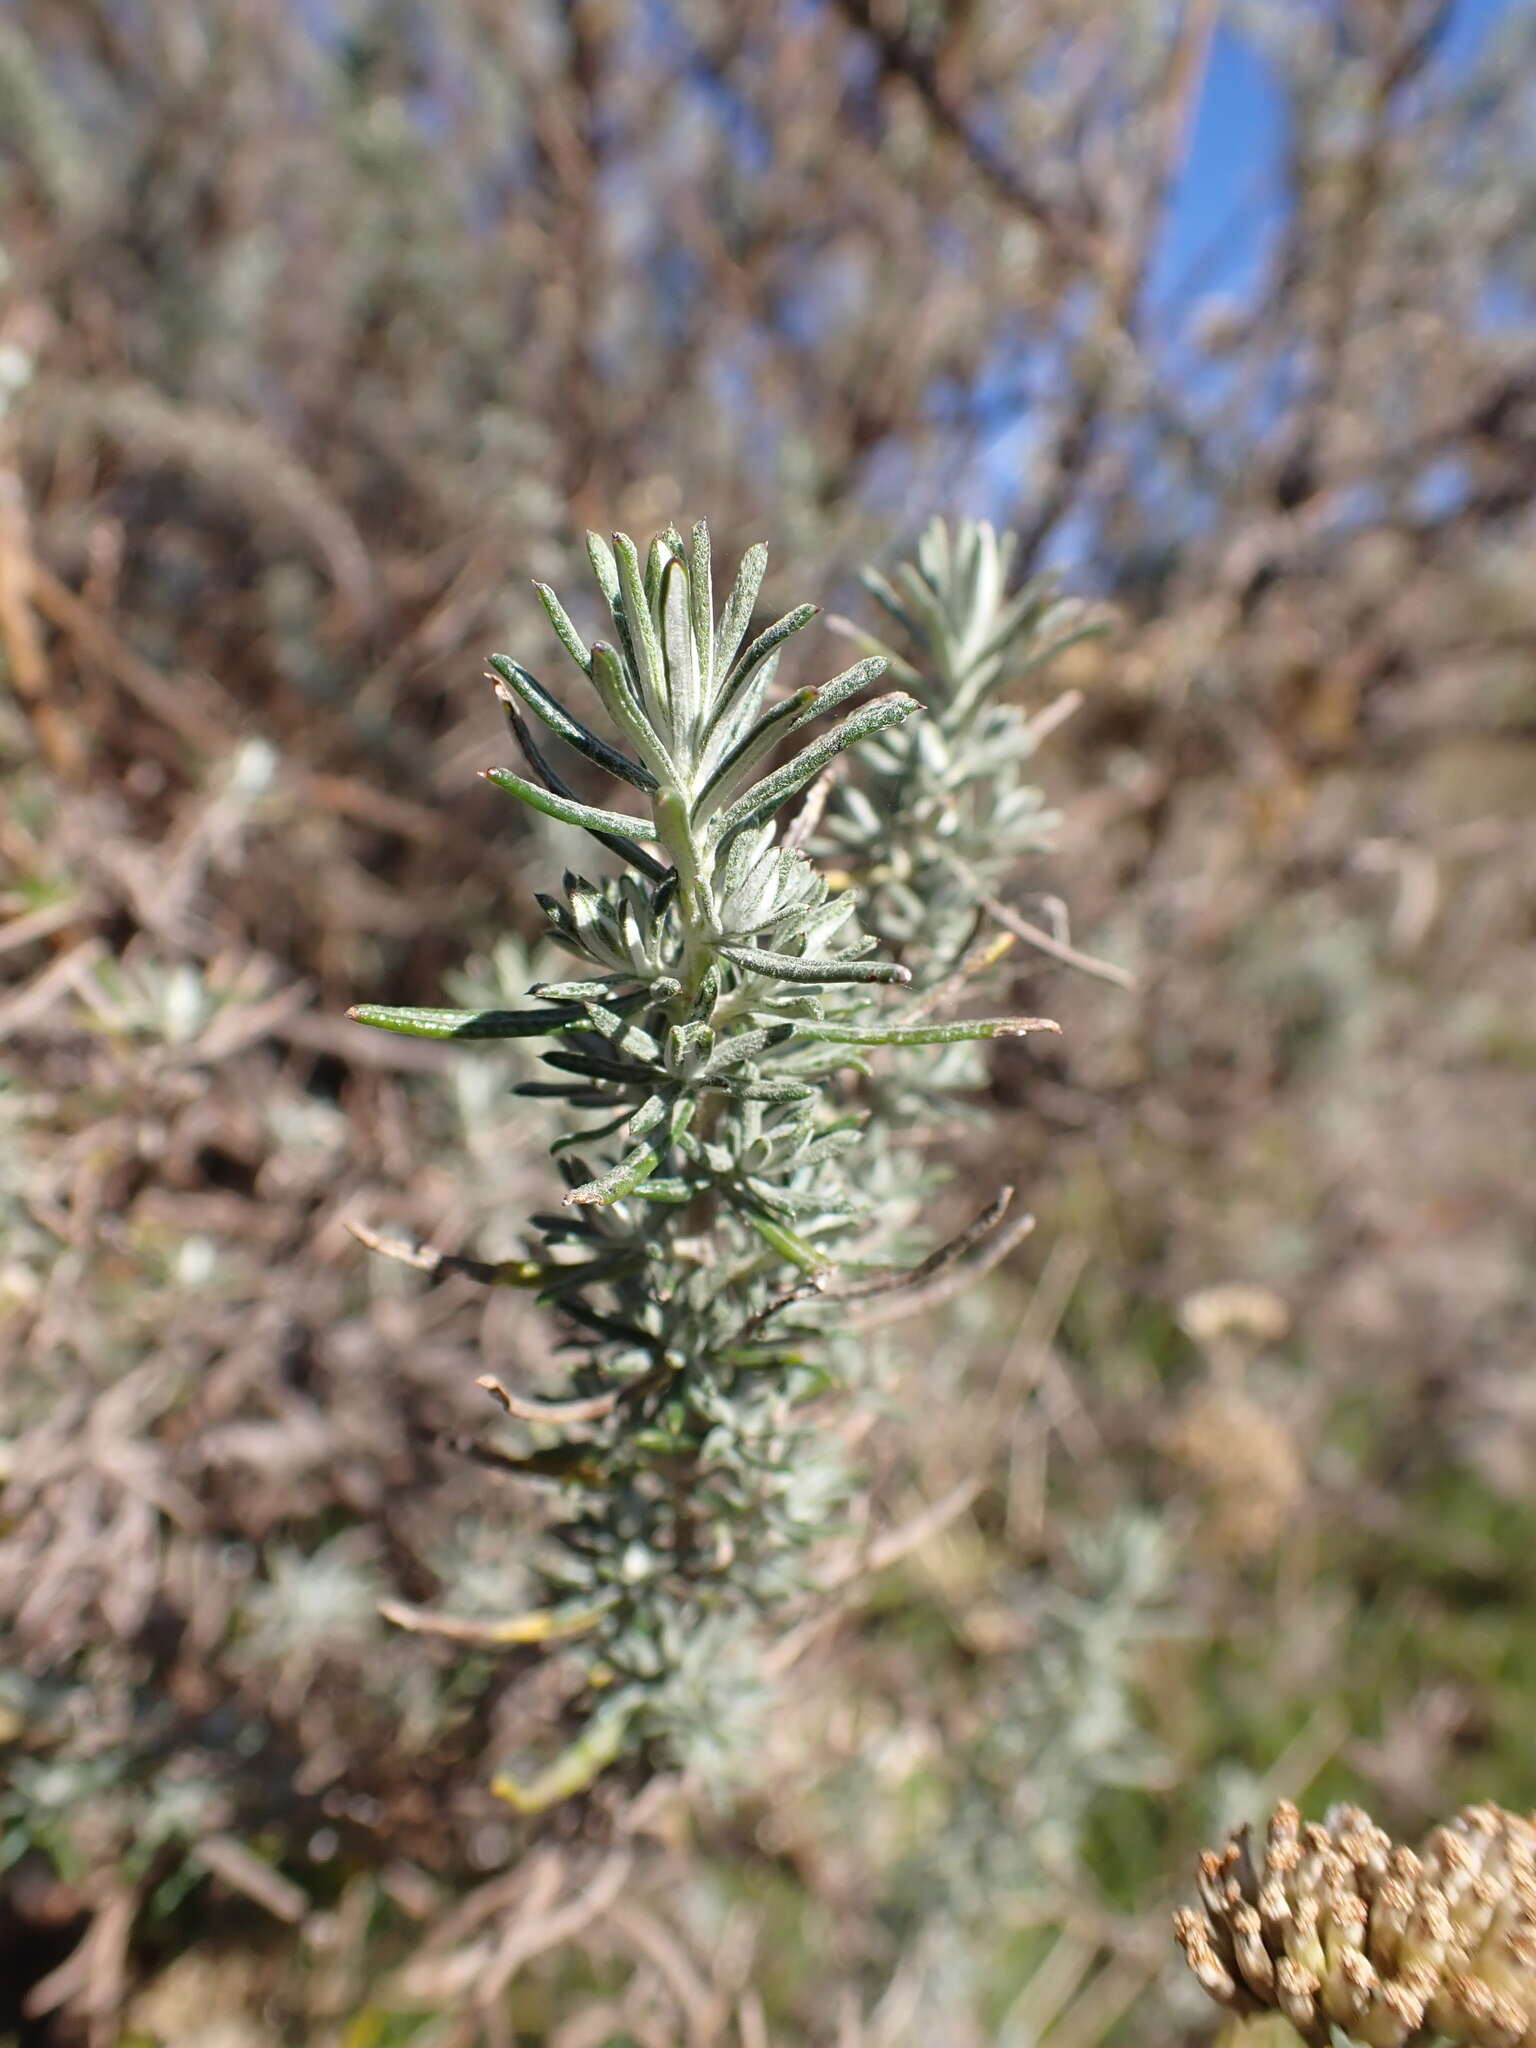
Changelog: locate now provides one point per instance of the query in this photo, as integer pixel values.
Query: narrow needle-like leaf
(649, 664)
(738, 610)
(612, 686)
(466, 1023)
(621, 1180)
(574, 1770)
(684, 683)
(569, 812)
(839, 1033)
(796, 967)
(618, 842)
(701, 600)
(841, 688)
(773, 727)
(762, 649)
(514, 680)
(559, 618)
(785, 782)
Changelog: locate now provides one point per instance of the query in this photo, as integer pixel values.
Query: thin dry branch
(550, 1925)
(26, 662)
(1065, 234)
(948, 1281)
(554, 1412)
(935, 1279)
(441, 1265)
(251, 1875)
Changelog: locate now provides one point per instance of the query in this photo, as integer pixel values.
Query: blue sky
(1225, 199)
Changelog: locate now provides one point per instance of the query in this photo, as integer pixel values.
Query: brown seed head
(1337, 1926)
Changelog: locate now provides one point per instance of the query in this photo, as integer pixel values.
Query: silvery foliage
(712, 1231)
(1074, 1730)
(941, 810)
(1010, 1792)
(930, 817)
(941, 814)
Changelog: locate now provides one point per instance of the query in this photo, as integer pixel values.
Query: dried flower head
(1340, 1926)
(1245, 1463)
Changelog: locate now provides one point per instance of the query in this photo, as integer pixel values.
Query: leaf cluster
(711, 1224)
(943, 812)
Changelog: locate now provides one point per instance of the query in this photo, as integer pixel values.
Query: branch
(438, 1265)
(556, 1412)
(900, 57)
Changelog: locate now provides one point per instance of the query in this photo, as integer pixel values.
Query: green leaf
(743, 1046)
(789, 716)
(648, 1115)
(663, 549)
(726, 732)
(785, 782)
(692, 1041)
(645, 646)
(703, 1005)
(770, 1358)
(591, 1068)
(624, 991)
(606, 570)
(580, 991)
(796, 967)
(765, 645)
(619, 1181)
(565, 1091)
(465, 1023)
(575, 1768)
(775, 725)
(785, 1242)
(925, 1034)
(570, 639)
(618, 699)
(567, 810)
(701, 601)
(512, 676)
(671, 1190)
(685, 691)
(590, 1135)
(738, 610)
(841, 688)
(759, 1091)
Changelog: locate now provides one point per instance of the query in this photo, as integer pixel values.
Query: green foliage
(714, 1225)
(942, 814)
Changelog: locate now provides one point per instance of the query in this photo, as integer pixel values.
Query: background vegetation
(325, 327)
